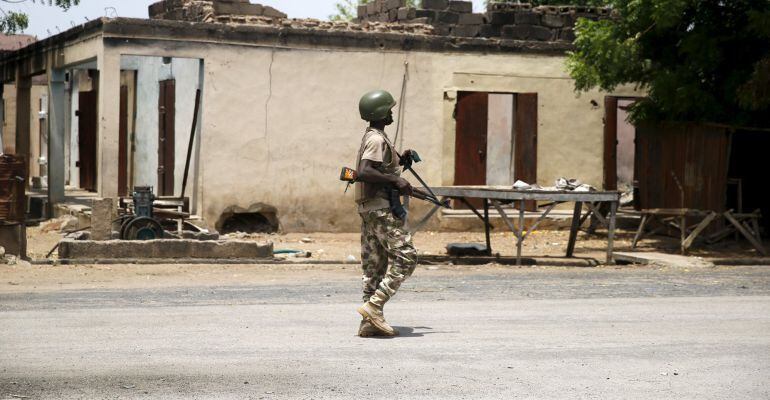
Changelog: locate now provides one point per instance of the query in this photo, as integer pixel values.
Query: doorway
(87, 115)
(619, 145)
(496, 139)
(166, 135)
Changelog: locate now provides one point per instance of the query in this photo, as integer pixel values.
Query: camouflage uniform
(382, 235)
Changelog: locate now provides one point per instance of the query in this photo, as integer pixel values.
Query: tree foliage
(12, 22)
(697, 60)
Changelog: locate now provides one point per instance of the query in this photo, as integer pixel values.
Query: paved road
(524, 333)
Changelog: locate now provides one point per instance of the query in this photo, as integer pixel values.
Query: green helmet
(375, 105)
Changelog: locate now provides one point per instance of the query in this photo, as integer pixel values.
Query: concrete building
(278, 104)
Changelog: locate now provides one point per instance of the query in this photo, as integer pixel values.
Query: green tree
(697, 60)
(12, 22)
(347, 10)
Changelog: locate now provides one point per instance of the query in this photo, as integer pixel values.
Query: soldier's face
(389, 119)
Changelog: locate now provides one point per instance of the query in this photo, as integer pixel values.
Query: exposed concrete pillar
(23, 98)
(56, 136)
(108, 125)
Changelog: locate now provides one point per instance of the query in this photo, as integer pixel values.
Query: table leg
(640, 231)
(486, 226)
(611, 233)
(574, 229)
(683, 233)
(520, 233)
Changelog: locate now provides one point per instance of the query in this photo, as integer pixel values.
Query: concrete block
(237, 8)
(162, 249)
(527, 32)
(567, 35)
(502, 18)
(435, 4)
(429, 14)
(395, 4)
(271, 12)
(102, 213)
(489, 30)
(471, 19)
(405, 13)
(527, 18)
(466, 30)
(553, 20)
(461, 6)
(371, 9)
(447, 17)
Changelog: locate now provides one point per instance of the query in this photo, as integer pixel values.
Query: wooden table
(497, 195)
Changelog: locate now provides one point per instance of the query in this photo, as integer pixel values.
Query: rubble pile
(510, 20)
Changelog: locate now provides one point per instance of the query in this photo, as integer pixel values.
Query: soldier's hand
(403, 186)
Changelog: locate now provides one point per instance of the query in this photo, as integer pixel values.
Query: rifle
(350, 176)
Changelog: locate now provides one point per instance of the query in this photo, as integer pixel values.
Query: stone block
(103, 211)
(380, 6)
(271, 12)
(466, 30)
(501, 18)
(156, 9)
(382, 17)
(461, 6)
(438, 5)
(553, 20)
(489, 30)
(237, 8)
(406, 13)
(393, 15)
(442, 30)
(471, 19)
(422, 20)
(527, 18)
(447, 17)
(395, 4)
(163, 249)
(361, 12)
(527, 32)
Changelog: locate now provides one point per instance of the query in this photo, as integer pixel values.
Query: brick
(405, 13)
(501, 18)
(553, 20)
(447, 17)
(272, 12)
(471, 19)
(466, 30)
(461, 6)
(439, 5)
(489, 30)
(395, 4)
(362, 11)
(527, 18)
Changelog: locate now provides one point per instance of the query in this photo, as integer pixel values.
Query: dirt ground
(341, 246)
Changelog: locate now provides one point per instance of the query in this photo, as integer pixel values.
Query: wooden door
(610, 143)
(471, 140)
(166, 130)
(87, 120)
(123, 143)
(525, 158)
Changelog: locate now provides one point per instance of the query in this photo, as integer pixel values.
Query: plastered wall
(277, 124)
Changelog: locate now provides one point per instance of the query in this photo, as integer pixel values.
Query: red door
(471, 140)
(87, 119)
(166, 130)
(525, 158)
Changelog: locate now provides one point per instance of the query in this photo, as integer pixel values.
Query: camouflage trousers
(383, 237)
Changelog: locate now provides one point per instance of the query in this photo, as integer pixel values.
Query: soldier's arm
(368, 172)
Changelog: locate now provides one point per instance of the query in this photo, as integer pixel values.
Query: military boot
(373, 314)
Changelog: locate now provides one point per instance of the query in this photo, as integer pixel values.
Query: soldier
(383, 235)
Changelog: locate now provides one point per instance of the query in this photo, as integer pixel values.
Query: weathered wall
(9, 124)
(279, 123)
